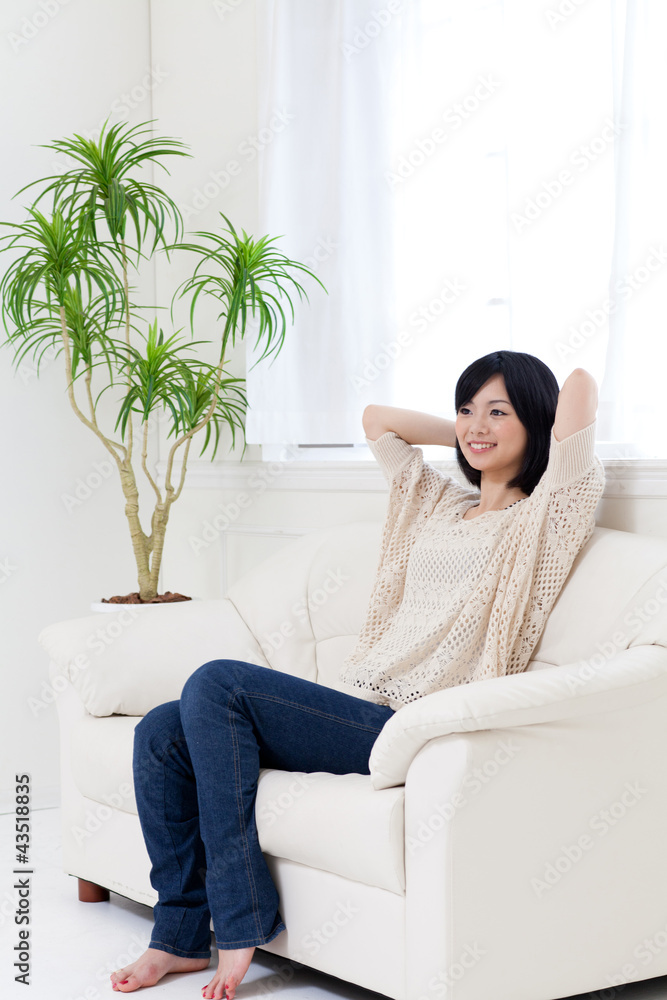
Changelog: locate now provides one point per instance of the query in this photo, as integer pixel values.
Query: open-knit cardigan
(458, 600)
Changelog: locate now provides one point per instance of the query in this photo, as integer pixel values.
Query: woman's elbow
(371, 423)
(577, 404)
(586, 389)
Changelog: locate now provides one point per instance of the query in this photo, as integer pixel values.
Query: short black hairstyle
(533, 392)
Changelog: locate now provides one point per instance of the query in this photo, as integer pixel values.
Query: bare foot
(151, 967)
(232, 967)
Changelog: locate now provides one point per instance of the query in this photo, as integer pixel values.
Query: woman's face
(491, 436)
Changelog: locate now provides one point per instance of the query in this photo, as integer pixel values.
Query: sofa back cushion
(127, 662)
(306, 604)
(301, 611)
(614, 597)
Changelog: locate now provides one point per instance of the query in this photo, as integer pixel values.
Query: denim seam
(164, 813)
(250, 942)
(238, 794)
(179, 951)
(305, 708)
(167, 749)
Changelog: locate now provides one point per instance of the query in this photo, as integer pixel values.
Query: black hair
(533, 392)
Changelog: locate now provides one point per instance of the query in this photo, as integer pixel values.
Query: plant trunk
(141, 543)
(126, 287)
(160, 521)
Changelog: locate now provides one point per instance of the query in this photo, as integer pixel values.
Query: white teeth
(480, 447)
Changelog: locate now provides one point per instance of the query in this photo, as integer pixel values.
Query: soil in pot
(167, 598)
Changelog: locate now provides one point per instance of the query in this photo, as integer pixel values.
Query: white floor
(76, 945)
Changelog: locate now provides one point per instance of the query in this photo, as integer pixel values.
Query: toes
(216, 992)
(116, 979)
(128, 985)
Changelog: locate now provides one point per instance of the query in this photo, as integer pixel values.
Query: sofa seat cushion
(337, 823)
(334, 822)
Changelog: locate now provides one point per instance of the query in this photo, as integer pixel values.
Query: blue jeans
(196, 765)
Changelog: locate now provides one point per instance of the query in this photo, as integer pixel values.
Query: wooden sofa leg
(90, 892)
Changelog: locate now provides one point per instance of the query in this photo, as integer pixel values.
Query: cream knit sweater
(459, 600)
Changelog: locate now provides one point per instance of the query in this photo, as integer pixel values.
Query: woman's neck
(495, 496)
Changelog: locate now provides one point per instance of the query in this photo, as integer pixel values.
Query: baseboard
(44, 797)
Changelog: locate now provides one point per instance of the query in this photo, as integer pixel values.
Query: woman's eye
(464, 411)
(498, 413)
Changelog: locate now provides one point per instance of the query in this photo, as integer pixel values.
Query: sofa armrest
(534, 835)
(633, 676)
(129, 661)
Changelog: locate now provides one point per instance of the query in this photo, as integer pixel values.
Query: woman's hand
(410, 425)
(577, 404)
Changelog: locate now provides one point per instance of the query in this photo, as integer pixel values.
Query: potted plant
(68, 289)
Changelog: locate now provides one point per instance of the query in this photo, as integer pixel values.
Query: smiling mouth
(477, 446)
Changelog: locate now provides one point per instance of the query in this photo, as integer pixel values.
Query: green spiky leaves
(58, 268)
(248, 277)
(100, 187)
(164, 376)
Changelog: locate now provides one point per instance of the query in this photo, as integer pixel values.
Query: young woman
(466, 580)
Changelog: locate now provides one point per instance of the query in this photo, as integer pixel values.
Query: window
(464, 175)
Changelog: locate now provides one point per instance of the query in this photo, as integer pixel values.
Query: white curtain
(492, 174)
(321, 185)
(633, 392)
(516, 202)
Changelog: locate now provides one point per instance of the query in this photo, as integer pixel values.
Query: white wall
(62, 71)
(54, 82)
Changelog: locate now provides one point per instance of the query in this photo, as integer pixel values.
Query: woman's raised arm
(411, 425)
(577, 404)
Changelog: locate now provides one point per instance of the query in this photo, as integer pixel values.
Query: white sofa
(510, 841)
